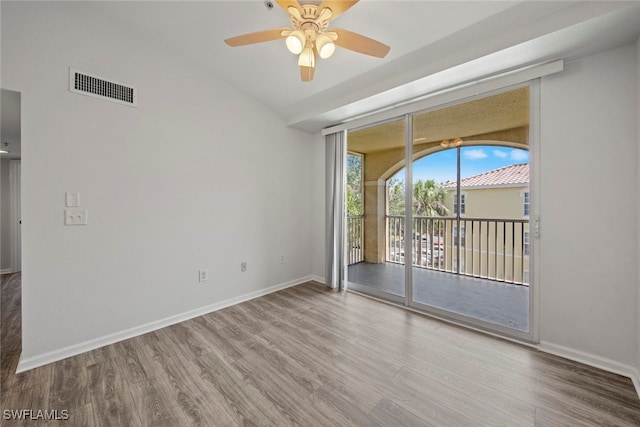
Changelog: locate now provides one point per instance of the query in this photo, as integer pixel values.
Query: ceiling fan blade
(306, 73)
(337, 6)
(285, 4)
(361, 44)
(258, 37)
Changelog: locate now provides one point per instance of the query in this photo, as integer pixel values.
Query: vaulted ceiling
(434, 45)
(426, 38)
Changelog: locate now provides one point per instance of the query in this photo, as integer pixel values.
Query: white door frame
(15, 216)
(532, 335)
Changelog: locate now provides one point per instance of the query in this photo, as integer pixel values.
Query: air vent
(98, 87)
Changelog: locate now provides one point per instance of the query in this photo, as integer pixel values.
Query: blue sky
(441, 166)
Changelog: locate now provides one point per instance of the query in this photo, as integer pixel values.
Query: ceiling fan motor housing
(310, 19)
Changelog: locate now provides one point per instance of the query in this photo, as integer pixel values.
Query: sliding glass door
(443, 220)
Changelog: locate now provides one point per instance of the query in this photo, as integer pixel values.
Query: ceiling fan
(309, 37)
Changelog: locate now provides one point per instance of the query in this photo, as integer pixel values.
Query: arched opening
(494, 182)
(423, 152)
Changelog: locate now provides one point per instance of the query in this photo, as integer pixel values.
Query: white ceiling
(268, 71)
(426, 38)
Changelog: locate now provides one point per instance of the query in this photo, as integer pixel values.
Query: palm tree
(428, 199)
(395, 196)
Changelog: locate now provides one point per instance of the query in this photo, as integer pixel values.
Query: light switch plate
(72, 200)
(76, 217)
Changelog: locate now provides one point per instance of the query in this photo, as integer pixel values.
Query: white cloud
(475, 154)
(500, 153)
(519, 155)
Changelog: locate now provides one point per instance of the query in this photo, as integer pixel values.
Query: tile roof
(508, 175)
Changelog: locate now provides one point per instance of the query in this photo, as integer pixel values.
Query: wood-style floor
(308, 356)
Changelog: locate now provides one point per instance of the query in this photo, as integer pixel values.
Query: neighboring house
(499, 193)
(494, 212)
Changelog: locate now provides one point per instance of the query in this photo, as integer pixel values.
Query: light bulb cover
(295, 42)
(325, 46)
(307, 58)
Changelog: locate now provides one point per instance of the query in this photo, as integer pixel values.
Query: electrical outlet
(203, 275)
(281, 259)
(243, 267)
(76, 216)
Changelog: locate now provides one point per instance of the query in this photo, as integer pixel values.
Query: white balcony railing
(355, 235)
(489, 248)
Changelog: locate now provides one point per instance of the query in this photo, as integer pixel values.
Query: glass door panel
(470, 231)
(376, 209)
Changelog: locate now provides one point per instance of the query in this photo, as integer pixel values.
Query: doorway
(462, 222)
(10, 232)
(10, 174)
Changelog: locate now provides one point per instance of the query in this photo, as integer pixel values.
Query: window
(525, 203)
(462, 236)
(525, 243)
(462, 203)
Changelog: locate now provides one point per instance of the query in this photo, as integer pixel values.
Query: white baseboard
(593, 360)
(318, 279)
(6, 271)
(636, 381)
(75, 349)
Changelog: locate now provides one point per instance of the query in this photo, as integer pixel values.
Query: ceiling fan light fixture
(307, 57)
(296, 41)
(456, 142)
(325, 46)
(309, 37)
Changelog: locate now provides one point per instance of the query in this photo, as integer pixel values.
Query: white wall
(589, 210)
(198, 176)
(5, 248)
(637, 383)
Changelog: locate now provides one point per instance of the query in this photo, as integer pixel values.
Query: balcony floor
(495, 302)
